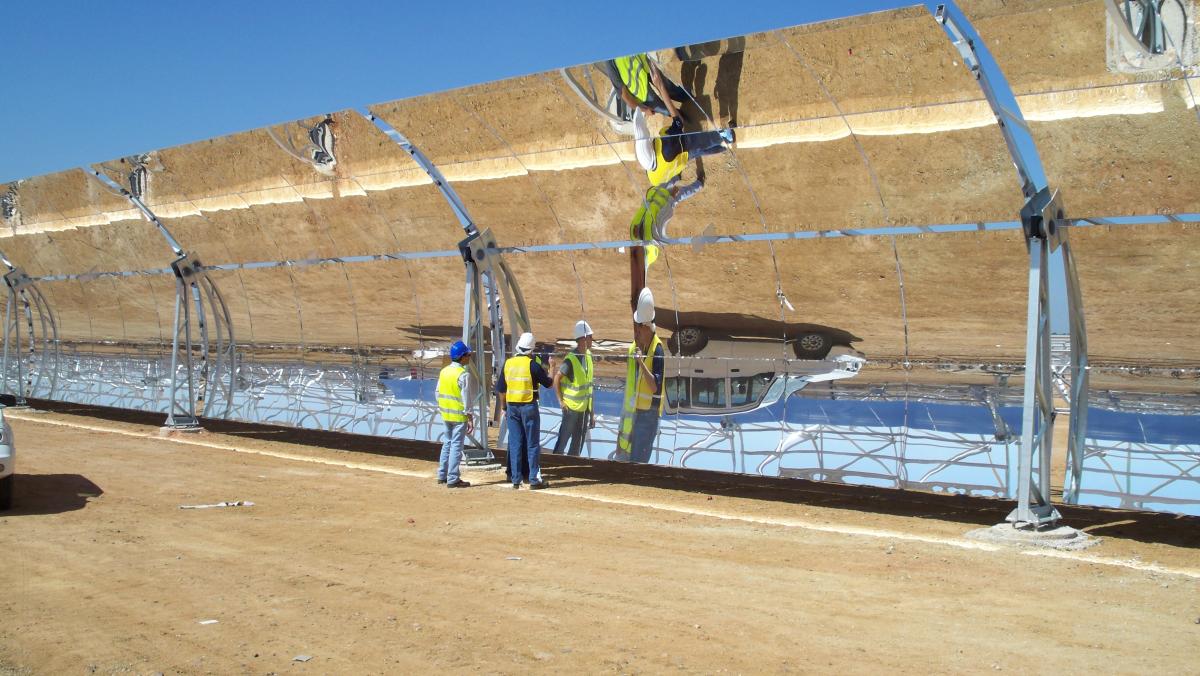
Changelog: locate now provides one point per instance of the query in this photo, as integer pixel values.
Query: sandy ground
(358, 559)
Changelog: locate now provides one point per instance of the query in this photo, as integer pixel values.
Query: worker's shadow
(51, 494)
(696, 61)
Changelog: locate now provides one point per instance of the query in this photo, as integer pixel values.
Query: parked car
(7, 457)
(732, 374)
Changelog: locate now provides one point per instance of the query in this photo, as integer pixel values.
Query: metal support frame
(202, 340)
(25, 300)
(490, 290)
(1043, 224)
(1140, 22)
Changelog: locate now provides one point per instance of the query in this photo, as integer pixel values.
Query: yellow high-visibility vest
(449, 394)
(639, 393)
(518, 379)
(664, 170)
(577, 393)
(635, 74)
(642, 226)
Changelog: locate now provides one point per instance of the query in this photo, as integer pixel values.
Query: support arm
(1042, 220)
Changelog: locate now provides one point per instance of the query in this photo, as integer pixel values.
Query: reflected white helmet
(525, 343)
(645, 308)
(582, 329)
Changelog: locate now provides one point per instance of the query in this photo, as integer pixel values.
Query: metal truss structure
(39, 344)
(1042, 220)
(203, 347)
(490, 291)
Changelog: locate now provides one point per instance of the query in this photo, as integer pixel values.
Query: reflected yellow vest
(642, 226)
(577, 394)
(449, 394)
(635, 73)
(639, 392)
(663, 170)
(518, 380)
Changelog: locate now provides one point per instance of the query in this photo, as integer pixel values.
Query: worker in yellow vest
(453, 403)
(641, 85)
(573, 384)
(643, 404)
(518, 395)
(650, 224)
(665, 155)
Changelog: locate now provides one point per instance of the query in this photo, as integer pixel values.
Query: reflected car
(732, 374)
(692, 340)
(7, 460)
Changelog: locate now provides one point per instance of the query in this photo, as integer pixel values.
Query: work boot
(441, 481)
(539, 485)
(459, 484)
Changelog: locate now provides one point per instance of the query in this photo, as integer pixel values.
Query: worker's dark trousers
(697, 144)
(645, 429)
(571, 431)
(524, 441)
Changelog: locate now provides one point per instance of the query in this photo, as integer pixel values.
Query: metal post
(44, 344)
(197, 298)
(1042, 218)
(485, 271)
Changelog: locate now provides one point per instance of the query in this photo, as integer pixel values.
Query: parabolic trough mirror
(826, 217)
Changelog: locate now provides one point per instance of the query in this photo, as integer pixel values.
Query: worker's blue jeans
(571, 432)
(452, 452)
(641, 440)
(524, 423)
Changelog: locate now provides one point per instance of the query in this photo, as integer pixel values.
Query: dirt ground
(352, 555)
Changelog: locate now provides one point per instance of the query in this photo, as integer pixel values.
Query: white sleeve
(464, 384)
(643, 143)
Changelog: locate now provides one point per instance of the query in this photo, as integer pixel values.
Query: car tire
(7, 485)
(812, 346)
(688, 341)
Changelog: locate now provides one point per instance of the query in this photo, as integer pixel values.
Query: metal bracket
(1042, 221)
(490, 290)
(317, 151)
(202, 335)
(25, 300)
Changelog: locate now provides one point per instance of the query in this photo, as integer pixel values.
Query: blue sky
(86, 82)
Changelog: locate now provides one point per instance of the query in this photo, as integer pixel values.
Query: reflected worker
(665, 156)
(453, 384)
(643, 405)
(573, 384)
(632, 77)
(518, 394)
(650, 224)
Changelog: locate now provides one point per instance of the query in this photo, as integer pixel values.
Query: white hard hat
(645, 308)
(582, 329)
(525, 343)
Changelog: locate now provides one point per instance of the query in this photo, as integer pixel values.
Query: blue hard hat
(458, 349)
